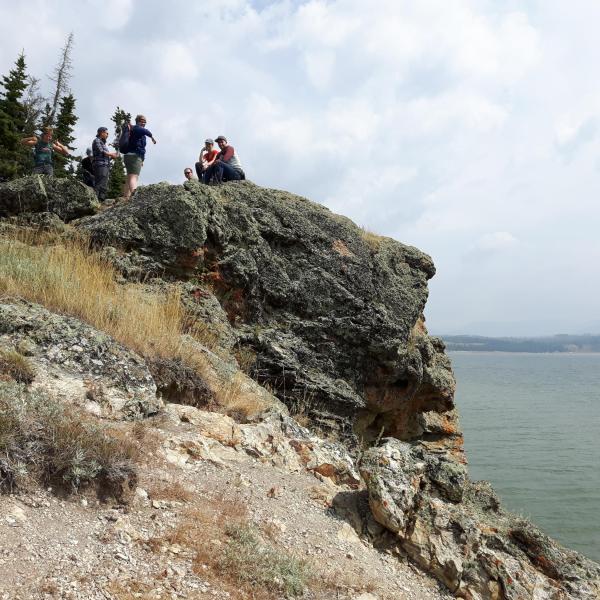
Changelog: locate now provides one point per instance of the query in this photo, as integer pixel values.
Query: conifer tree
(13, 156)
(117, 172)
(63, 132)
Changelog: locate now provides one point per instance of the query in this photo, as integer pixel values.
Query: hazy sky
(470, 129)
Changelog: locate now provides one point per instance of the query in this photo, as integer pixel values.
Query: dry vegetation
(45, 440)
(230, 550)
(15, 366)
(373, 240)
(65, 275)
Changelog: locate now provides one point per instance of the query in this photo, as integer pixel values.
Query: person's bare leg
(130, 185)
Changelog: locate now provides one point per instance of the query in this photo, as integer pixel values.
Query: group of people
(213, 166)
(216, 166)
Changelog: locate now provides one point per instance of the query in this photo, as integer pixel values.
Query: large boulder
(457, 530)
(73, 360)
(334, 314)
(65, 197)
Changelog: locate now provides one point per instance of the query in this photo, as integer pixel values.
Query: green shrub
(250, 561)
(45, 440)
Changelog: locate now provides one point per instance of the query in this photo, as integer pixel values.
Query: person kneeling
(227, 166)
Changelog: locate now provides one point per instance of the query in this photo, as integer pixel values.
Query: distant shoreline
(556, 344)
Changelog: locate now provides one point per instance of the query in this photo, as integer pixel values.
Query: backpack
(124, 138)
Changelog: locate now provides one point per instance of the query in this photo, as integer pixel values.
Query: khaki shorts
(133, 163)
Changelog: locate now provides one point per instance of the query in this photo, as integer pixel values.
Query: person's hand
(153, 140)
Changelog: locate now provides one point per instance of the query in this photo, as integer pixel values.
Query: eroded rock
(78, 362)
(457, 530)
(65, 197)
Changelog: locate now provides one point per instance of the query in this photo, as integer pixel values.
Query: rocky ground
(79, 548)
(262, 310)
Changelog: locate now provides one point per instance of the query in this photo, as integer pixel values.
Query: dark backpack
(124, 138)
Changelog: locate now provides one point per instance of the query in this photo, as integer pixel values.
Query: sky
(470, 128)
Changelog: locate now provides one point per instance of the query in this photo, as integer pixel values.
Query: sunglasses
(187, 173)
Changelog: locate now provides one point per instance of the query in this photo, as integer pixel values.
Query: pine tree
(33, 103)
(63, 132)
(14, 157)
(61, 77)
(117, 172)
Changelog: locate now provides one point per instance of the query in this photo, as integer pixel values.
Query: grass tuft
(43, 439)
(15, 366)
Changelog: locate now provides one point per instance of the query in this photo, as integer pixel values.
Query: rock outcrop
(78, 362)
(457, 530)
(64, 197)
(333, 314)
(330, 320)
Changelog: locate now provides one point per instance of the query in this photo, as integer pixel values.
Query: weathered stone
(76, 361)
(333, 315)
(209, 424)
(457, 531)
(65, 197)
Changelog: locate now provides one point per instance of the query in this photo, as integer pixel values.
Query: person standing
(102, 156)
(207, 157)
(227, 166)
(43, 148)
(136, 153)
(87, 168)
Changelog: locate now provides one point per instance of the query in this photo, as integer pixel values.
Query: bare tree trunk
(62, 74)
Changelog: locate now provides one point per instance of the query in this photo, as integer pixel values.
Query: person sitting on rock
(207, 157)
(102, 156)
(43, 149)
(134, 159)
(227, 166)
(189, 175)
(87, 168)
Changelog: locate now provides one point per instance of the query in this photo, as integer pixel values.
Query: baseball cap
(221, 138)
(102, 129)
(209, 141)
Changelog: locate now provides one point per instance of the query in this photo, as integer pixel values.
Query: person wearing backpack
(43, 149)
(102, 156)
(136, 153)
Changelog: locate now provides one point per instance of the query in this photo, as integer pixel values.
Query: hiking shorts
(44, 169)
(133, 163)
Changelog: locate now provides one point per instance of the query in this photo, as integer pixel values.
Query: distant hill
(555, 343)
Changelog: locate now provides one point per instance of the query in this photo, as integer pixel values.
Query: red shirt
(208, 155)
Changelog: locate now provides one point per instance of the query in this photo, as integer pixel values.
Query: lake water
(532, 428)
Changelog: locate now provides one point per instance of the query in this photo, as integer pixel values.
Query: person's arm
(58, 147)
(29, 141)
(148, 133)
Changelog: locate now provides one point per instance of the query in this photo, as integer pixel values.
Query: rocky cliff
(332, 319)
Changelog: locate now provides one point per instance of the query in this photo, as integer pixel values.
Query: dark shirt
(87, 164)
(100, 151)
(137, 140)
(42, 153)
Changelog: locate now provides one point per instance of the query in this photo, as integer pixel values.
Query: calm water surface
(532, 428)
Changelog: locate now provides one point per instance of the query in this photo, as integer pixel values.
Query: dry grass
(65, 276)
(372, 239)
(228, 549)
(45, 440)
(238, 400)
(169, 491)
(15, 366)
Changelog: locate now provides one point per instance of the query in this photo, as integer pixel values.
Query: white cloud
(467, 128)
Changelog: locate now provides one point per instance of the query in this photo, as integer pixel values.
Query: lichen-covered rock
(457, 530)
(333, 314)
(76, 361)
(65, 197)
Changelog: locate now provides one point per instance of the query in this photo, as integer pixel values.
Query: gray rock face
(334, 315)
(73, 359)
(65, 197)
(456, 530)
